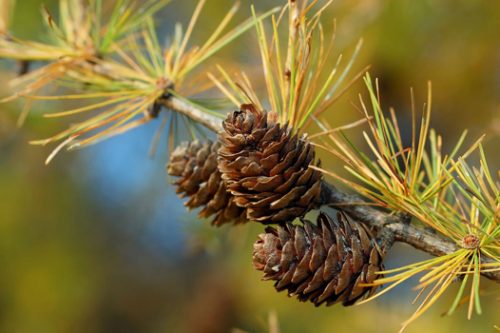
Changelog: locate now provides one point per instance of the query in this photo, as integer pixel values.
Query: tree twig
(178, 105)
(403, 231)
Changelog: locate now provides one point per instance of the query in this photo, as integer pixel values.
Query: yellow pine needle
(87, 108)
(4, 17)
(93, 123)
(425, 124)
(84, 96)
(52, 70)
(457, 300)
(334, 152)
(347, 155)
(235, 91)
(348, 183)
(40, 82)
(485, 250)
(439, 288)
(333, 88)
(72, 21)
(220, 28)
(224, 90)
(130, 62)
(187, 35)
(294, 21)
(24, 114)
(24, 50)
(432, 261)
(367, 175)
(111, 133)
(327, 103)
(482, 271)
(419, 294)
(122, 70)
(248, 89)
(127, 115)
(117, 70)
(380, 159)
(266, 65)
(6, 9)
(303, 60)
(58, 149)
(383, 291)
(153, 51)
(340, 128)
(320, 11)
(486, 172)
(484, 189)
(469, 151)
(323, 58)
(446, 268)
(472, 298)
(411, 270)
(279, 61)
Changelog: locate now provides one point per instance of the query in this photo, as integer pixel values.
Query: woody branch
(356, 207)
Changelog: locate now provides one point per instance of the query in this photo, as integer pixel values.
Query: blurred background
(98, 242)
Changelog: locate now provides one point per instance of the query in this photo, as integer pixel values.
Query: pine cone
(323, 263)
(195, 164)
(266, 167)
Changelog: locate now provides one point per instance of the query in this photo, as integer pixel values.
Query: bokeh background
(98, 242)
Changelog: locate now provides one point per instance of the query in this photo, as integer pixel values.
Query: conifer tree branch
(399, 225)
(353, 205)
(178, 105)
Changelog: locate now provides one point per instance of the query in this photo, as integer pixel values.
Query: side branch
(399, 226)
(178, 105)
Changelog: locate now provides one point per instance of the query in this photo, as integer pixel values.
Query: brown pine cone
(266, 167)
(195, 164)
(323, 263)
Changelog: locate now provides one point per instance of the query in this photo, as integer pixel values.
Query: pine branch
(399, 225)
(178, 105)
(355, 206)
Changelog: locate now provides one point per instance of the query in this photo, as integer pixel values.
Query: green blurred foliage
(73, 258)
